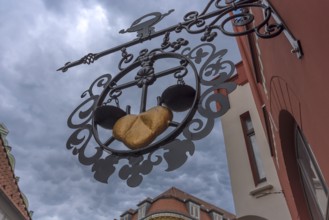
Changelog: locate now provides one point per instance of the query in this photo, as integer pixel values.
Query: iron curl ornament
(170, 147)
(215, 16)
(174, 89)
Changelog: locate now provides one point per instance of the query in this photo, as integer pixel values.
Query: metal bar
(174, 124)
(126, 85)
(158, 75)
(100, 54)
(168, 71)
(109, 141)
(151, 36)
(295, 44)
(143, 98)
(90, 58)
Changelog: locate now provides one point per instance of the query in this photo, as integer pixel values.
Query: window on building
(316, 190)
(194, 210)
(142, 211)
(126, 217)
(255, 57)
(217, 216)
(268, 130)
(252, 149)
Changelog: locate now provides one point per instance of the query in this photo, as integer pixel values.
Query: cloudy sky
(39, 36)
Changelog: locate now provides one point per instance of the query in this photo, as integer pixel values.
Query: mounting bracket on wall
(164, 126)
(295, 44)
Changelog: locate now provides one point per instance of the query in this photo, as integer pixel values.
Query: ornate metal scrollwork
(145, 28)
(221, 71)
(208, 22)
(172, 148)
(188, 108)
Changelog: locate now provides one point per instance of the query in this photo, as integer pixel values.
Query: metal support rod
(109, 141)
(136, 41)
(158, 75)
(143, 98)
(219, 13)
(295, 44)
(174, 124)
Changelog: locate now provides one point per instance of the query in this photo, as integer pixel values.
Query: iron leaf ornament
(163, 121)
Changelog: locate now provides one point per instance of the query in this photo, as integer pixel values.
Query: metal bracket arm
(195, 23)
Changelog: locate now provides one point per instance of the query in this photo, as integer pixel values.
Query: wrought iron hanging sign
(164, 122)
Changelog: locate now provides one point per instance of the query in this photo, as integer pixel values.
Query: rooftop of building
(175, 201)
(8, 180)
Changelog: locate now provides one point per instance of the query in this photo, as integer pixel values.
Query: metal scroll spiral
(80, 120)
(213, 74)
(244, 17)
(237, 12)
(166, 46)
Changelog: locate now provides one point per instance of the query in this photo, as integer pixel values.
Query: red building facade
(293, 103)
(175, 204)
(13, 203)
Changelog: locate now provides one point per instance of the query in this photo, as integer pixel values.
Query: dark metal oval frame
(169, 137)
(211, 72)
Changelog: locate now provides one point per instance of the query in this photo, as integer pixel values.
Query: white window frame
(253, 149)
(141, 211)
(302, 146)
(217, 216)
(195, 210)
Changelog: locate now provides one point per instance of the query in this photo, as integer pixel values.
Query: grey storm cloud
(39, 36)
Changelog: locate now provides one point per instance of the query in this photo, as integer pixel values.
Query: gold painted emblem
(137, 131)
